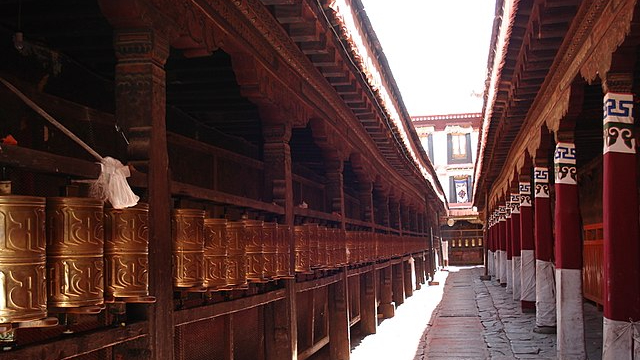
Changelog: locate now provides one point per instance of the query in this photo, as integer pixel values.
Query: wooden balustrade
(592, 265)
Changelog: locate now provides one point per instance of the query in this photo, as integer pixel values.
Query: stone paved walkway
(475, 320)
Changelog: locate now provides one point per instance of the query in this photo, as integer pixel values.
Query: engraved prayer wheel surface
(75, 252)
(342, 247)
(322, 246)
(255, 250)
(328, 239)
(236, 254)
(187, 228)
(352, 241)
(215, 253)
(313, 245)
(23, 295)
(301, 238)
(126, 252)
(283, 268)
(270, 238)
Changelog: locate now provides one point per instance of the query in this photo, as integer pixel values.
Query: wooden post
(228, 338)
(279, 189)
(545, 293)
(140, 109)
(409, 270)
(368, 302)
(387, 307)
(528, 280)
(571, 340)
(339, 338)
(620, 220)
(398, 283)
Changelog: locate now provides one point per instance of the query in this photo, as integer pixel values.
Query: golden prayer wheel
(126, 254)
(283, 268)
(301, 238)
(75, 254)
(255, 250)
(236, 255)
(23, 295)
(313, 245)
(187, 230)
(215, 253)
(270, 238)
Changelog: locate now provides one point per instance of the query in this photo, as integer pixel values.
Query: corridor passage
(474, 320)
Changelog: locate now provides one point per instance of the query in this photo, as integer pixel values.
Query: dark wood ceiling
(539, 28)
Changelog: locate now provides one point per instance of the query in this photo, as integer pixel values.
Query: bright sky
(437, 50)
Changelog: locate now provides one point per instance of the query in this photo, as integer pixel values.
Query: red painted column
(570, 338)
(508, 240)
(543, 236)
(515, 244)
(620, 225)
(528, 268)
(502, 235)
(490, 248)
(495, 239)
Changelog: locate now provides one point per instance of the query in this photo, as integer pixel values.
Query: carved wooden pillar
(277, 169)
(279, 189)
(382, 209)
(515, 243)
(620, 221)
(339, 336)
(140, 109)
(368, 302)
(571, 342)
(545, 285)
(394, 214)
(365, 195)
(528, 279)
(386, 307)
(335, 185)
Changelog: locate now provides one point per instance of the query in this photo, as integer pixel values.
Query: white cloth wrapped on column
(509, 276)
(528, 276)
(516, 277)
(545, 294)
(621, 339)
(570, 329)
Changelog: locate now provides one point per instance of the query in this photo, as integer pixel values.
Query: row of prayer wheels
(216, 254)
(66, 254)
(319, 247)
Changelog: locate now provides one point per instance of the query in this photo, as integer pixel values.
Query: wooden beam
(187, 316)
(80, 344)
(196, 192)
(44, 162)
(315, 284)
(313, 348)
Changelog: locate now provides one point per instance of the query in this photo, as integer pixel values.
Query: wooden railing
(592, 265)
